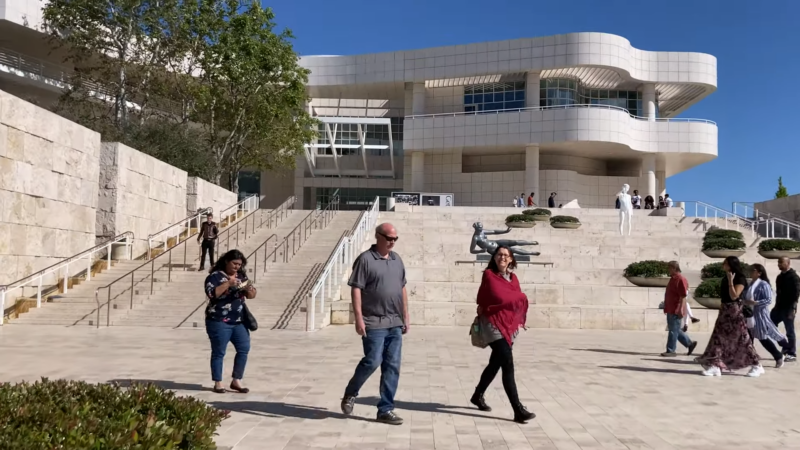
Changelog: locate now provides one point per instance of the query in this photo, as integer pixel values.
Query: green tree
(781, 192)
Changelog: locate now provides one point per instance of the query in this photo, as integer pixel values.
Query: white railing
(330, 279)
(719, 217)
(767, 224)
(161, 238)
(125, 239)
(551, 108)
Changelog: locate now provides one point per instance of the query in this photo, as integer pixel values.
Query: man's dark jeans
(787, 317)
(382, 347)
(208, 247)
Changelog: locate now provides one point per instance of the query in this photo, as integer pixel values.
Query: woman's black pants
(501, 359)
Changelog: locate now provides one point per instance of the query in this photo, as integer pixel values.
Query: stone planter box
(520, 224)
(775, 254)
(566, 225)
(541, 218)
(709, 302)
(724, 253)
(649, 281)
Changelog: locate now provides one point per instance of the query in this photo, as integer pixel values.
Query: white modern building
(577, 114)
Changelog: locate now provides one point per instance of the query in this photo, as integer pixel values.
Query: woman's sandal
(218, 390)
(241, 390)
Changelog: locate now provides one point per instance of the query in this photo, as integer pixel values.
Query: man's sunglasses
(389, 238)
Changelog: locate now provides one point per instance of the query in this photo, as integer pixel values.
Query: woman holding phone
(227, 287)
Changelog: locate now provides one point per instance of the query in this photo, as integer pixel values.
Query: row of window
(347, 133)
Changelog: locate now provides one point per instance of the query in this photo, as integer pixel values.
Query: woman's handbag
(476, 335)
(248, 319)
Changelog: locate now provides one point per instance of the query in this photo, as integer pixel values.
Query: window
(494, 96)
(562, 92)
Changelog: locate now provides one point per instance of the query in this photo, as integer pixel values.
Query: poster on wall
(408, 198)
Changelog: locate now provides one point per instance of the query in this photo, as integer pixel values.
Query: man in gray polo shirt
(380, 304)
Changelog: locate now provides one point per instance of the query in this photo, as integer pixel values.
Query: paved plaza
(589, 389)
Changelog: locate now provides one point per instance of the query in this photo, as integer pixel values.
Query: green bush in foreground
(516, 218)
(564, 219)
(723, 244)
(647, 269)
(768, 245)
(537, 212)
(76, 415)
(708, 288)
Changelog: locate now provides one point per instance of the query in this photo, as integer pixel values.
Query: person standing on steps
(208, 235)
(675, 307)
(787, 287)
(551, 202)
(380, 305)
(502, 309)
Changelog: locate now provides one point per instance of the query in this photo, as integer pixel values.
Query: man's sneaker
(347, 404)
(789, 358)
(755, 371)
(779, 362)
(691, 348)
(389, 418)
(711, 371)
(669, 354)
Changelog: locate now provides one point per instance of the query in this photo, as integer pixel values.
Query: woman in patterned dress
(759, 296)
(227, 287)
(730, 347)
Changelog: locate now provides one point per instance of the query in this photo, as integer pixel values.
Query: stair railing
(767, 224)
(341, 259)
(721, 218)
(124, 239)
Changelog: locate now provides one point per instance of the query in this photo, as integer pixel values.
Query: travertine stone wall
(137, 193)
(202, 194)
(48, 188)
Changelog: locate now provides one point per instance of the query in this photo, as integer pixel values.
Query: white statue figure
(625, 209)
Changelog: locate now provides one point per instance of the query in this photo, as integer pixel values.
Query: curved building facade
(577, 114)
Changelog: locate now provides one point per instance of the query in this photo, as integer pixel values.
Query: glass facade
(562, 92)
(350, 199)
(347, 134)
(494, 96)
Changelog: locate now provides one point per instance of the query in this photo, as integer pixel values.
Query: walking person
(759, 296)
(502, 310)
(226, 288)
(530, 199)
(787, 287)
(380, 305)
(551, 202)
(730, 347)
(208, 235)
(675, 307)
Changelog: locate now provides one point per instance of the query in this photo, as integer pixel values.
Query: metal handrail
(338, 263)
(557, 107)
(281, 211)
(185, 223)
(768, 220)
(251, 256)
(127, 236)
(703, 211)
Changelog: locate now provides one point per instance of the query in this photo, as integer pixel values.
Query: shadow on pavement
(694, 372)
(613, 352)
(278, 409)
(429, 407)
(687, 362)
(166, 384)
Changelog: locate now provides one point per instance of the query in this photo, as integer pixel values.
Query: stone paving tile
(589, 389)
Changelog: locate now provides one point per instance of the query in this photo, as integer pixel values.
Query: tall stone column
(532, 173)
(417, 172)
(418, 99)
(649, 101)
(649, 170)
(661, 182)
(531, 90)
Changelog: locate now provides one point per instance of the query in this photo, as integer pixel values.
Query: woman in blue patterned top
(227, 288)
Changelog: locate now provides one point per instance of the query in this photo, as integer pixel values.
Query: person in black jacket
(208, 235)
(787, 293)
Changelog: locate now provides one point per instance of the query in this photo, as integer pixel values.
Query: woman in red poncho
(502, 308)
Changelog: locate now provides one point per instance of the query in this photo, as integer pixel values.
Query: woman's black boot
(522, 415)
(477, 400)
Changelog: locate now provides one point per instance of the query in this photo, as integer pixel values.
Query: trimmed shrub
(564, 219)
(647, 269)
(516, 218)
(64, 414)
(714, 270)
(768, 245)
(708, 288)
(719, 233)
(537, 212)
(723, 244)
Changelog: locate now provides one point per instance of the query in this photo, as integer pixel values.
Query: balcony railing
(562, 107)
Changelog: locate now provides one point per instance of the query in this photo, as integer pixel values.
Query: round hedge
(564, 219)
(708, 288)
(647, 269)
(714, 270)
(769, 245)
(537, 212)
(723, 243)
(719, 233)
(517, 218)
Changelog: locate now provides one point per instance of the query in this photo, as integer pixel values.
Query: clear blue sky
(757, 45)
